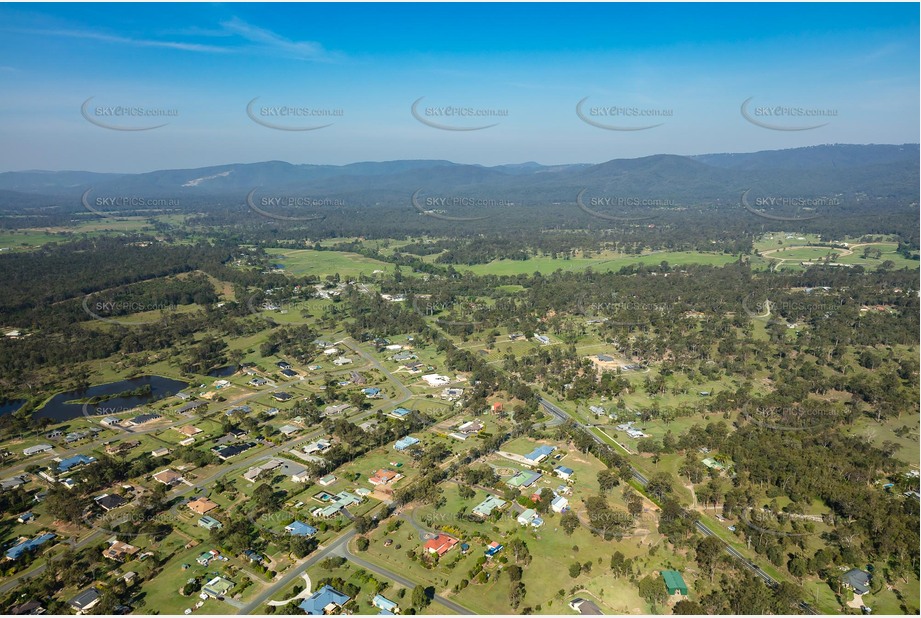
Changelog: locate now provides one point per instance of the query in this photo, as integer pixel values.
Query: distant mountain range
(888, 171)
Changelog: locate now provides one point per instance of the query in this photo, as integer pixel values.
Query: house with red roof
(441, 544)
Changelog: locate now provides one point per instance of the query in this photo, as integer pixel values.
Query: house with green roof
(487, 506)
(674, 583)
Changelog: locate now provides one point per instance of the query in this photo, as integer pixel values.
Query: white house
(433, 379)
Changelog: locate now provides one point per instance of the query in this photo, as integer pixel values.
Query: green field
(606, 261)
(307, 262)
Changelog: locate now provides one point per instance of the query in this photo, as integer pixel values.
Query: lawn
(306, 262)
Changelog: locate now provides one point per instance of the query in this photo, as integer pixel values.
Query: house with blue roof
(385, 605)
(16, 551)
(563, 472)
(65, 465)
(326, 600)
(299, 528)
(559, 504)
(404, 443)
(540, 453)
(371, 391)
(400, 413)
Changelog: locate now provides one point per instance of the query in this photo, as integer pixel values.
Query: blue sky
(691, 66)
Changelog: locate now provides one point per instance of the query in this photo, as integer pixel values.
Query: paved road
(368, 566)
(732, 551)
(334, 548)
(93, 537)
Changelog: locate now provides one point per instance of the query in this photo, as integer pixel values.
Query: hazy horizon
(371, 83)
(506, 164)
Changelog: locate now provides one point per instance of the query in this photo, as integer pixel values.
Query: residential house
(320, 446)
(288, 430)
(85, 601)
(192, 405)
(857, 580)
(299, 528)
(563, 472)
(326, 600)
(385, 605)
(189, 430)
(384, 477)
(209, 523)
(441, 544)
(253, 556)
(217, 587)
(29, 608)
(539, 454)
(122, 447)
(524, 478)
(28, 545)
(399, 413)
(343, 500)
(109, 502)
(585, 607)
(142, 419)
(433, 379)
(486, 507)
(559, 504)
(119, 551)
(530, 518)
(465, 430)
(168, 477)
(14, 481)
(253, 473)
(66, 465)
(35, 450)
(493, 548)
(335, 409)
(404, 443)
(452, 393)
(202, 505)
(228, 451)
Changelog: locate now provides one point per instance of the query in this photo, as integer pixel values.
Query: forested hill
(875, 170)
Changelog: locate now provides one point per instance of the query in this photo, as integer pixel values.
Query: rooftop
(324, 601)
